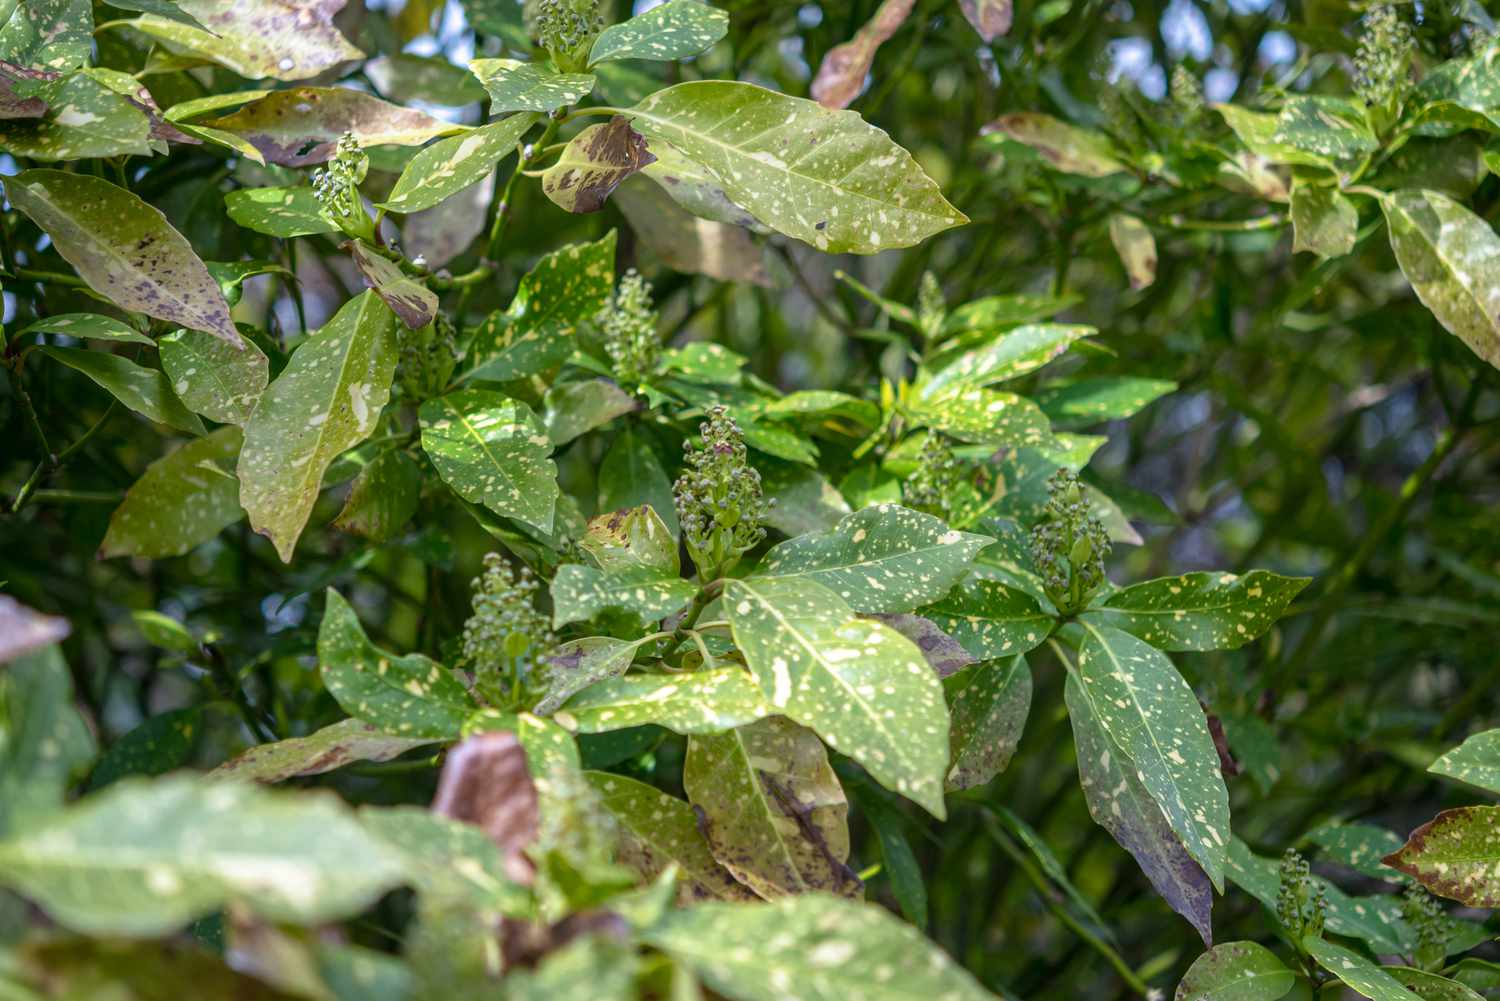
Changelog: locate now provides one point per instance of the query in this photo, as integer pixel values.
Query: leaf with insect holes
(408, 298)
(988, 703)
(450, 165)
(280, 39)
(518, 86)
(1198, 611)
(492, 450)
(144, 390)
(674, 30)
(182, 500)
(1456, 855)
(1236, 971)
(213, 378)
(343, 743)
(410, 696)
(125, 249)
(593, 164)
(301, 126)
(1475, 761)
(771, 808)
(701, 702)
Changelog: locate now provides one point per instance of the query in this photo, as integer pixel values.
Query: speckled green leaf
(824, 177)
(283, 212)
(44, 741)
(1464, 92)
(658, 830)
(574, 408)
(213, 378)
(991, 618)
(632, 474)
(1358, 973)
(1452, 259)
(1236, 971)
(1091, 401)
(700, 702)
(771, 808)
(589, 968)
(630, 538)
(693, 187)
(1360, 847)
(1198, 611)
(410, 696)
(1323, 221)
(885, 558)
(145, 390)
(383, 497)
(536, 332)
(675, 30)
(492, 450)
(984, 417)
(1432, 987)
(1155, 720)
(518, 86)
(1258, 130)
(334, 746)
(988, 703)
(451, 165)
(1333, 128)
(1066, 147)
(1136, 248)
(1119, 802)
(301, 126)
(448, 859)
(87, 326)
(183, 499)
(985, 359)
(84, 119)
(575, 665)
(861, 685)
(821, 947)
(1475, 761)
(161, 744)
(145, 857)
(125, 249)
(408, 298)
(50, 34)
(1456, 855)
(997, 312)
(281, 39)
(326, 400)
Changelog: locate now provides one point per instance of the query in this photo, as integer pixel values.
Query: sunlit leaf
(1198, 611)
(1475, 761)
(213, 378)
(1357, 972)
(453, 164)
(493, 451)
(281, 39)
(518, 86)
(1323, 221)
(1136, 246)
(595, 161)
(700, 702)
(284, 212)
(1066, 147)
(673, 30)
(301, 126)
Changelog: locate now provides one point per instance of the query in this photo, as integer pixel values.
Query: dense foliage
(543, 502)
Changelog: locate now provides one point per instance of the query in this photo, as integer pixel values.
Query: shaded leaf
(409, 299)
(1456, 855)
(574, 408)
(213, 378)
(805, 500)
(1360, 847)
(687, 243)
(44, 741)
(673, 30)
(1323, 221)
(700, 702)
(383, 498)
(403, 77)
(436, 236)
(450, 165)
(991, 618)
(632, 474)
(284, 212)
(492, 450)
(87, 326)
(144, 390)
(301, 126)
(943, 653)
(1092, 401)
(281, 39)
(448, 861)
(594, 162)
(84, 118)
(841, 75)
(343, 743)
(136, 971)
(988, 704)
(183, 499)
(161, 744)
(1236, 971)
(518, 86)
(1198, 611)
(1066, 147)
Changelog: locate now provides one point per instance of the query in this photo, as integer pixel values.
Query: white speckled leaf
(700, 702)
(1259, 131)
(581, 592)
(1236, 971)
(813, 946)
(1475, 761)
(1154, 718)
(1324, 222)
(1066, 147)
(408, 298)
(125, 249)
(410, 696)
(984, 417)
(1119, 802)
(862, 686)
(45, 743)
(84, 119)
(674, 30)
(144, 390)
(281, 39)
(492, 450)
(1333, 128)
(825, 177)
(327, 400)
(342, 743)
(51, 34)
(1136, 247)
(144, 858)
(183, 499)
(451, 165)
(632, 537)
(1452, 259)
(1357, 972)
(987, 358)
(283, 212)
(1360, 847)
(885, 558)
(988, 703)
(88, 326)
(991, 618)
(575, 665)
(1198, 611)
(301, 126)
(1456, 855)
(518, 86)
(213, 378)
(771, 808)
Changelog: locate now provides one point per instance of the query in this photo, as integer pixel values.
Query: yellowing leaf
(594, 163)
(1066, 147)
(281, 39)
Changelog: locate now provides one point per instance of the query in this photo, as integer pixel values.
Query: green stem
(28, 488)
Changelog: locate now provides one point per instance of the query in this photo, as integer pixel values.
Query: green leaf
(985, 359)
(404, 78)
(327, 400)
(674, 30)
(991, 618)
(383, 498)
(213, 378)
(408, 298)
(1360, 847)
(257, 38)
(1357, 972)
(593, 164)
(159, 745)
(821, 946)
(805, 500)
(589, 968)
(1323, 221)
(1297, 136)
(50, 34)
(410, 696)
(167, 9)
(1136, 248)
(885, 558)
(284, 212)
(1093, 401)
(898, 861)
(453, 164)
(984, 417)
(632, 474)
(1452, 259)
(87, 326)
(988, 703)
(1463, 92)
(657, 830)
(1155, 720)
(1430, 986)
(518, 86)
(164, 632)
(574, 408)
(84, 118)
(182, 500)
(632, 538)
(334, 746)
(232, 275)
(144, 390)
(1236, 971)
(145, 857)
(1198, 611)
(492, 450)
(700, 702)
(862, 686)
(575, 665)
(44, 741)
(301, 126)
(1475, 761)
(1000, 311)
(1066, 147)
(125, 249)
(824, 177)
(448, 859)
(1456, 855)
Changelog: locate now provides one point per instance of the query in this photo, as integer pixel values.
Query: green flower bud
(566, 29)
(1382, 64)
(629, 326)
(506, 634)
(1300, 903)
(718, 497)
(336, 186)
(932, 308)
(428, 357)
(1069, 545)
(931, 489)
(1424, 914)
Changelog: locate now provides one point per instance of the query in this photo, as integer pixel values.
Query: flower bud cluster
(336, 186)
(1069, 544)
(428, 357)
(1424, 914)
(718, 495)
(1187, 96)
(1382, 64)
(932, 308)
(629, 326)
(1300, 904)
(505, 634)
(938, 477)
(566, 28)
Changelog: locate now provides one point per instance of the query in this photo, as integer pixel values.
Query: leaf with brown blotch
(334, 746)
(1066, 147)
(280, 39)
(18, 103)
(409, 299)
(842, 74)
(946, 655)
(594, 163)
(23, 630)
(485, 782)
(991, 18)
(1456, 855)
(301, 126)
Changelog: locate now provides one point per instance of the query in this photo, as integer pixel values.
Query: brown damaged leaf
(594, 163)
(17, 86)
(991, 18)
(842, 74)
(946, 655)
(1456, 855)
(23, 630)
(302, 126)
(343, 743)
(281, 39)
(485, 782)
(408, 298)
(1068, 148)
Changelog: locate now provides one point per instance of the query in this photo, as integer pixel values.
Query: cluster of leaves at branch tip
(718, 497)
(1422, 911)
(938, 478)
(428, 357)
(566, 29)
(1069, 544)
(1382, 64)
(628, 323)
(336, 186)
(506, 634)
(932, 308)
(1300, 903)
